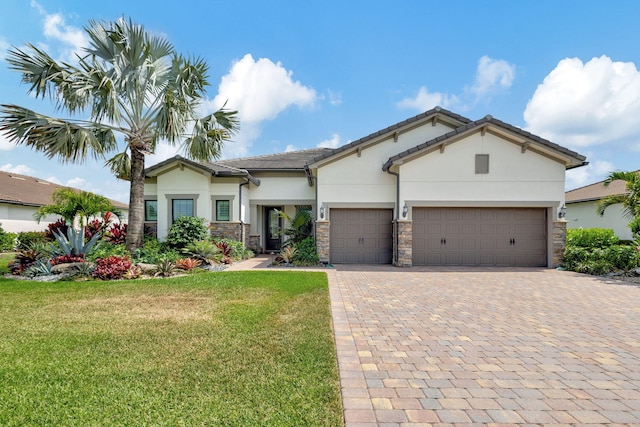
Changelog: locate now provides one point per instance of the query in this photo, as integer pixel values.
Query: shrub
(186, 230)
(112, 268)
(307, 254)
(591, 237)
(26, 258)
(102, 250)
(164, 268)
(238, 249)
(205, 251)
(152, 251)
(26, 238)
(7, 240)
(59, 226)
(225, 252)
(66, 259)
(288, 253)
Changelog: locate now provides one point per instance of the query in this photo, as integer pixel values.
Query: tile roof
(478, 124)
(595, 191)
(30, 191)
(292, 160)
(437, 111)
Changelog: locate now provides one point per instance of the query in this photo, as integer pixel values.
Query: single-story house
(581, 208)
(435, 189)
(22, 195)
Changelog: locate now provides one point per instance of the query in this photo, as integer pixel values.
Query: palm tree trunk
(135, 229)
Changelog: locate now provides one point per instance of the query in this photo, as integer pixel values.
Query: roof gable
(31, 191)
(527, 140)
(434, 115)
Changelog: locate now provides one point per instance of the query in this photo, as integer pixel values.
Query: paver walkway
(486, 346)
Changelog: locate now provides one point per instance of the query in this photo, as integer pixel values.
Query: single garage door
(480, 236)
(361, 236)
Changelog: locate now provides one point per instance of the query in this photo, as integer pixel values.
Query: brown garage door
(361, 236)
(480, 236)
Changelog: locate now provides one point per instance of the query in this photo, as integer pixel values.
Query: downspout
(395, 222)
(311, 179)
(240, 210)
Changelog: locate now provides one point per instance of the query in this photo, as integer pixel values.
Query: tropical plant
(186, 230)
(60, 226)
(238, 249)
(116, 234)
(287, 254)
(205, 251)
(73, 243)
(66, 259)
(101, 250)
(300, 226)
(129, 82)
(39, 268)
(25, 239)
(153, 251)
(225, 252)
(27, 257)
(630, 200)
(74, 205)
(164, 268)
(112, 268)
(188, 263)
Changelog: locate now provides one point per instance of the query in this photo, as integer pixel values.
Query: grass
(218, 349)
(5, 258)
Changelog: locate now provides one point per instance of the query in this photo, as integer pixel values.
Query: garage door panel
(480, 236)
(361, 236)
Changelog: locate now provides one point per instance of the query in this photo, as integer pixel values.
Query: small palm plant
(205, 251)
(287, 254)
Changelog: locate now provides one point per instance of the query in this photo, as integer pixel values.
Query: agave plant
(164, 268)
(40, 268)
(73, 243)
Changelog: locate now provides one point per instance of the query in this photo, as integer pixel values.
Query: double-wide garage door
(480, 236)
(361, 236)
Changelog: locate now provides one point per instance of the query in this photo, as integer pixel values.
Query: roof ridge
(262, 156)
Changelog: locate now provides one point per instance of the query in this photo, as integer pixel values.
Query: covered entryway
(361, 236)
(515, 237)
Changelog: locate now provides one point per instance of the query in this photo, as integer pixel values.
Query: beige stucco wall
(357, 179)
(513, 176)
(17, 218)
(584, 215)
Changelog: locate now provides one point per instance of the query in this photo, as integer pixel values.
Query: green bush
(306, 254)
(152, 251)
(26, 238)
(597, 251)
(186, 230)
(238, 249)
(105, 250)
(7, 240)
(591, 237)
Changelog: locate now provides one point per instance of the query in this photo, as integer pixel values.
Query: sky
(306, 74)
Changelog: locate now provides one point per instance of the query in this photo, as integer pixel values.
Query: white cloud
(290, 148)
(584, 104)
(425, 100)
(19, 169)
(335, 98)
(585, 175)
(259, 90)
(333, 142)
(5, 144)
(72, 39)
(492, 75)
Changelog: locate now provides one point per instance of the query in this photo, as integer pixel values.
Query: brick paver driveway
(485, 346)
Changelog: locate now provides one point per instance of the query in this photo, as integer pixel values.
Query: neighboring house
(20, 198)
(581, 208)
(436, 189)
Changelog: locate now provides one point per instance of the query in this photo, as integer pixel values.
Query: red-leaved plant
(116, 234)
(112, 268)
(67, 259)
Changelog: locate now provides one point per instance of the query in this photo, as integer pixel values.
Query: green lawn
(217, 349)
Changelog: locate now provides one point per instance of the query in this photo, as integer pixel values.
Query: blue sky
(323, 73)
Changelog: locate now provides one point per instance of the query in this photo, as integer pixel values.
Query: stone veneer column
(322, 240)
(559, 242)
(225, 230)
(405, 243)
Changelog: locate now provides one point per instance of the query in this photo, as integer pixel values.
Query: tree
(630, 200)
(300, 226)
(130, 83)
(71, 205)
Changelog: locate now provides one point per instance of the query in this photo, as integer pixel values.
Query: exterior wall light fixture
(322, 212)
(405, 211)
(563, 212)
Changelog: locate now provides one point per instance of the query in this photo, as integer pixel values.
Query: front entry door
(273, 228)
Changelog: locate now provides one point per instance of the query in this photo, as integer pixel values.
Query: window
(181, 207)
(222, 210)
(150, 210)
(482, 163)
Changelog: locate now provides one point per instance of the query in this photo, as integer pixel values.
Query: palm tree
(630, 200)
(71, 204)
(129, 83)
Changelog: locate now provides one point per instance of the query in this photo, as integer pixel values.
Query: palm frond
(603, 204)
(70, 141)
(120, 165)
(209, 133)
